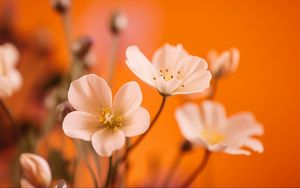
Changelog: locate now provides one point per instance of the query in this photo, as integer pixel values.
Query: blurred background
(267, 33)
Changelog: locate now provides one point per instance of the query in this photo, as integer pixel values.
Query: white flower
(173, 71)
(35, 170)
(210, 128)
(10, 78)
(101, 120)
(225, 63)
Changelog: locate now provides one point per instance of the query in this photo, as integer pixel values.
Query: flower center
(212, 137)
(167, 75)
(110, 120)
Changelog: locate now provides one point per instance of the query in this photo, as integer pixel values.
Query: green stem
(109, 173)
(197, 171)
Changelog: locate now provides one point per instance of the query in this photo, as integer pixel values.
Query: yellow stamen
(212, 137)
(110, 120)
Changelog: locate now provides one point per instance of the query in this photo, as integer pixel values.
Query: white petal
(169, 57)
(236, 151)
(190, 123)
(196, 83)
(15, 79)
(107, 140)
(136, 123)
(217, 147)
(167, 87)
(214, 115)
(81, 125)
(10, 55)
(241, 126)
(5, 87)
(90, 93)
(254, 144)
(128, 98)
(140, 65)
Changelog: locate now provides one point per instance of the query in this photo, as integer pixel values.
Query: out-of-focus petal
(10, 55)
(136, 123)
(90, 93)
(214, 115)
(254, 144)
(236, 151)
(128, 98)
(108, 140)
(140, 65)
(189, 121)
(15, 79)
(81, 125)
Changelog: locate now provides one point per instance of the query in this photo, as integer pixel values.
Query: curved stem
(197, 171)
(11, 119)
(88, 165)
(213, 89)
(175, 164)
(150, 127)
(112, 61)
(109, 173)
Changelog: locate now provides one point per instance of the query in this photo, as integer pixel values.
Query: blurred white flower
(35, 170)
(10, 77)
(173, 71)
(99, 119)
(225, 63)
(210, 128)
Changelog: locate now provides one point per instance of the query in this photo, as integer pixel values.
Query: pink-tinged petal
(90, 93)
(81, 125)
(108, 140)
(220, 63)
(140, 65)
(169, 57)
(236, 151)
(241, 126)
(196, 83)
(190, 123)
(25, 184)
(167, 87)
(136, 123)
(5, 88)
(254, 144)
(214, 116)
(35, 170)
(128, 98)
(235, 58)
(192, 65)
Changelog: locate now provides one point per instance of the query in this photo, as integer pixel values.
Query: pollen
(212, 137)
(166, 74)
(110, 120)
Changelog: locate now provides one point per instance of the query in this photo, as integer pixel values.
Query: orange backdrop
(267, 33)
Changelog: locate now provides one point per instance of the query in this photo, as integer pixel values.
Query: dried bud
(81, 47)
(224, 64)
(118, 23)
(35, 171)
(62, 110)
(186, 146)
(61, 6)
(61, 184)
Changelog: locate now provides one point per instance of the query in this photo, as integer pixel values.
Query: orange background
(267, 33)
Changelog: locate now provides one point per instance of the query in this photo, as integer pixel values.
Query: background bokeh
(267, 33)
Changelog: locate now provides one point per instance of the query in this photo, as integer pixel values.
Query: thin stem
(150, 127)
(88, 165)
(175, 164)
(109, 173)
(113, 57)
(197, 171)
(97, 165)
(11, 119)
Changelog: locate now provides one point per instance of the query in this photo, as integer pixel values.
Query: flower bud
(225, 63)
(118, 23)
(81, 47)
(35, 171)
(62, 110)
(61, 6)
(186, 146)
